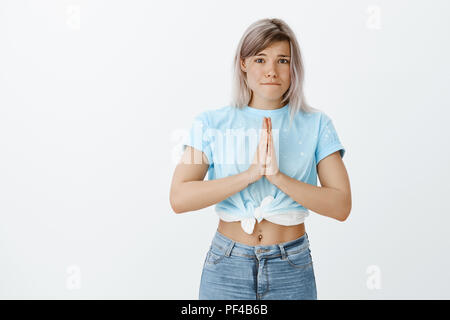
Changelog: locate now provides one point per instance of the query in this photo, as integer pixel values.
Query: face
(271, 65)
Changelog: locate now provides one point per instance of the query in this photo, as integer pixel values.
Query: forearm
(196, 195)
(329, 202)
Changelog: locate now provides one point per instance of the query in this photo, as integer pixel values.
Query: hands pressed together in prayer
(264, 162)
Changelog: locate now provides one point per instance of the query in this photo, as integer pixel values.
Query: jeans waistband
(229, 247)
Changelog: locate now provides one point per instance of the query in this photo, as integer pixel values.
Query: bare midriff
(264, 232)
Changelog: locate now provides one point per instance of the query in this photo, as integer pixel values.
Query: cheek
(287, 78)
(254, 73)
(286, 73)
(253, 77)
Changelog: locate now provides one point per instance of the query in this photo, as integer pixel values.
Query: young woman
(262, 187)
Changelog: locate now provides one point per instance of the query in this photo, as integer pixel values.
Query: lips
(271, 84)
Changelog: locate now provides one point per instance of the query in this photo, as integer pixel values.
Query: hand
(271, 158)
(257, 169)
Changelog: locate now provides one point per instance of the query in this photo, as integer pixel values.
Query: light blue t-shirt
(229, 137)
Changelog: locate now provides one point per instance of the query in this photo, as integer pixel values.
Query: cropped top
(229, 136)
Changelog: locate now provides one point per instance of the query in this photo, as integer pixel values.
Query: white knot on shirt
(248, 224)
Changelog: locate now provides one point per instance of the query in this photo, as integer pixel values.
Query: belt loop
(283, 253)
(230, 247)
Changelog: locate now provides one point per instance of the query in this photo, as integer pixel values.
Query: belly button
(260, 237)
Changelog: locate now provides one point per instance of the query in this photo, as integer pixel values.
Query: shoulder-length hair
(258, 36)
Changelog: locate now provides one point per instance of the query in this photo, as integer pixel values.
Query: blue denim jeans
(236, 271)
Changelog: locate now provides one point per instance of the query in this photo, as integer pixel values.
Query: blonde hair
(258, 36)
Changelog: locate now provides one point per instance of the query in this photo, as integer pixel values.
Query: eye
(287, 61)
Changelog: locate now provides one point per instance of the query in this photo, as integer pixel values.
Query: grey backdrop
(95, 97)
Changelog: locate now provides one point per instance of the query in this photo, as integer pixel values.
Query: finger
(267, 135)
(263, 143)
(259, 148)
(262, 147)
(271, 154)
(264, 129)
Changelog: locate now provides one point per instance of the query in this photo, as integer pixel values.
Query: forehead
(276, 48)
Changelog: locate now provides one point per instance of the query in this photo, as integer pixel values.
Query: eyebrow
(280, 55)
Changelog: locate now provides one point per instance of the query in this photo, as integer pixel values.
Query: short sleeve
(198, 136)
(328, 140)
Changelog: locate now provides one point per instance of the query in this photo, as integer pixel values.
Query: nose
(271, 69)
(271, 73)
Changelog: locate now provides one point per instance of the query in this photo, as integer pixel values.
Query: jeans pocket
(214, 256)
(299, 259)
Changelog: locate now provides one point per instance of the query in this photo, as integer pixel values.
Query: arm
(188, 190)
(332, 199)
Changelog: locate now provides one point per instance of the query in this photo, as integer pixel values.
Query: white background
(94, 96)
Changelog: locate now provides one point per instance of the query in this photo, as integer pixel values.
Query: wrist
(252, 174)
(274, 177)
(249, 176)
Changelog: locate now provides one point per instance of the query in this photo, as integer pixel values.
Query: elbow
(343, 217)
(346, 207)
(176, 208)
(345, 212)
(175, 204)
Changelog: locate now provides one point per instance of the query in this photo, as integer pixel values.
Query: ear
(243, 65)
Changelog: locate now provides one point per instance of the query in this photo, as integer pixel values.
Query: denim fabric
(236, 271)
